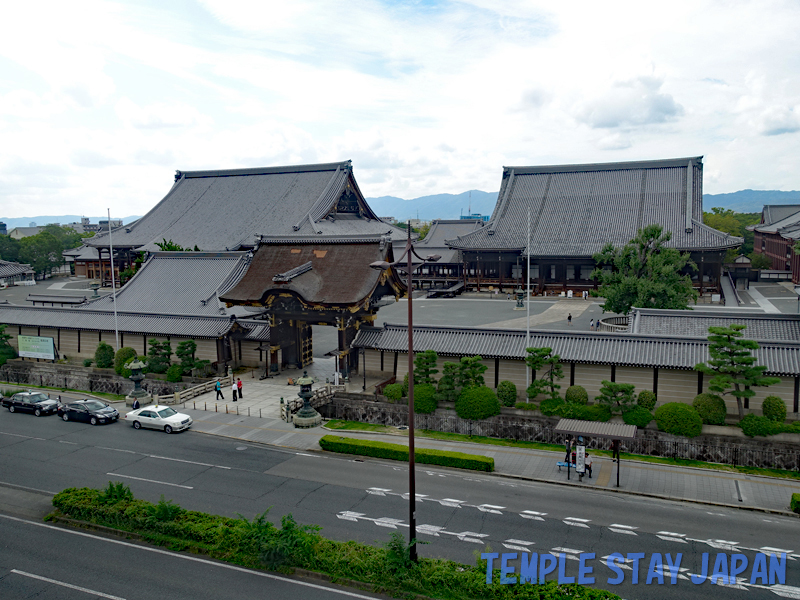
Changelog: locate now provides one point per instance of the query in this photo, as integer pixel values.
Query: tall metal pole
(113, 285)
(528, 302)
(412, 487)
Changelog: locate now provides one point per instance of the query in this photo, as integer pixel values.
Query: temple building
(776, 236)
(561, 216)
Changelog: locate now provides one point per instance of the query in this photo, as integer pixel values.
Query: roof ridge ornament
(287, 276)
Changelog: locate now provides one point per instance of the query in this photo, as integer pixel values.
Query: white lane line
(347, 515)
(429, 529)
(626, 529)
(520, 545)
(378, 491)
(66, 585)
(532, 514)
(569, 553)
(451, 502)
(304, 454)
(190, 462)
(490, 508)
(117, 450)
(576, 522)
(389, 522)
(202, 561)
(27, 437)
(66, 442)
(671, 536)
(186, 487)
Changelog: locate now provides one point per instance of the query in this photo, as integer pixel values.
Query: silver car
(157, 416)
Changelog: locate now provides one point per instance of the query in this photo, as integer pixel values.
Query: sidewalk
(662, 481)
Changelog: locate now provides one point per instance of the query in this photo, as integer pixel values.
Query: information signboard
(31, 346)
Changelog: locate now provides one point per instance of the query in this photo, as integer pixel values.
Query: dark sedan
(32, 402)
(88, 411)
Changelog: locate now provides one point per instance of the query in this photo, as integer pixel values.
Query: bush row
(795, 503)
(375, 449)
(753, 425)
(258, 543)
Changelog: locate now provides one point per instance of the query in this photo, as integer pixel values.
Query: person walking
(234, 388)
(135, 404)
(239, 387)
(218, 388)
(591, 325)
(569, 319)
(587, 462)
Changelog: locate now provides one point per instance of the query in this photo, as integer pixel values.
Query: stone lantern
(520, 296)
(136, 377)
(306, 417)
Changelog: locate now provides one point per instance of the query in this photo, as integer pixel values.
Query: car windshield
(39, 398)
(166, 412)
(94, 405)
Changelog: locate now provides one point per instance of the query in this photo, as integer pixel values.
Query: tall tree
(644, 273)
(9, 248)
(425, 367)
(733, 365)
(543, 361)
(42, 252)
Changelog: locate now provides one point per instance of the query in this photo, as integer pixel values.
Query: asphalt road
(52, 563)
(458, 513)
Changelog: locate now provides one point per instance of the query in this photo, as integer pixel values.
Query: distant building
(776, 236)
(474, 216)
(3, 230)
(21, 232)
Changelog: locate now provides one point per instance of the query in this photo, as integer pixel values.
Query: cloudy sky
(100, 102)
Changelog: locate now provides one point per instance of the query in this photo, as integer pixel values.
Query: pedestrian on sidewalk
(591, 325)
(234, 388)
(239, 387)
(569, 319)
(218, 388)
(135, 404)
(587, 462)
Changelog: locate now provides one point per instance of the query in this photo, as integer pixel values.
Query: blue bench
(563, 464)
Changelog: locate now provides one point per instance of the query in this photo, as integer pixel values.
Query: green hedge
(551, 406)
(593, 412)
(425, 398)
(646, 400)
(638, 416)
(443, 458)
(795, 503)
(507, 393)
(711, 408)
(526, 406)
(679, 419)
(393, 391)
(477, 403)
(774, 408)
(756, 425)
(576, 394)
(258, 543)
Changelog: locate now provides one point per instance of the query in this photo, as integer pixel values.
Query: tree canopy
(644, 273)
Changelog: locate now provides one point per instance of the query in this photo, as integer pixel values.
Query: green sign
(31, 346)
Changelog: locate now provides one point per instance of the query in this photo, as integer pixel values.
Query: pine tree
(425, 367)
(542, 360)
(733, 365)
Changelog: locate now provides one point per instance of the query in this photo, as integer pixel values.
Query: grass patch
(258, 544)
(356, 426)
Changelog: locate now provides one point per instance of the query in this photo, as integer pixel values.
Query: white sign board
(580, 459)
(31, 346)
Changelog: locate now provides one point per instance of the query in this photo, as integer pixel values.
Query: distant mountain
(749, 201)
(438, 206)
(61, 219)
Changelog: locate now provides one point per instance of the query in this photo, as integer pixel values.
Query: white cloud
(631, 103)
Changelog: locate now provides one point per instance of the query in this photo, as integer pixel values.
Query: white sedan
(159, 417)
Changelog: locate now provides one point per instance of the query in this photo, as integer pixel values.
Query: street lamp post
(408, 252)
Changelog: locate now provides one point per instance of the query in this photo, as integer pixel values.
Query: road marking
(22, 487)
(469, 536)
(626, 529)
(66, 442)
(27, 437)
(304, 454)
(532, 514)
(203, 561)
(568, 553)
(116, 450)
(520, 545)
(388, 522)
(378, 491)
(429, 529)
(189, 462)
(451, 502)
(66, 585)
(670, 536)
(770, 549)
(347, 515)
(576, 522)
(186, 487)
(490, 508)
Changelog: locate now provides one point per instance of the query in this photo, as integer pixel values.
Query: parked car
(89, 411)
(157, 416)
(33, 402)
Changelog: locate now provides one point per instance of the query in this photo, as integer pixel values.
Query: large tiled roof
(781, 358)
(180, 283)
(140, 323)
(226, 209)
(772, 213)
(13, 269)
(442, 230)
(788, 226)
(576, 209)
(689, 323)
(320, 271)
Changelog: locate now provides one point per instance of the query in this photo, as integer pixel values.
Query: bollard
(259, 413)
(216, 408)
(195, 405)
(237, 410)
(248, 411)
(226, 409)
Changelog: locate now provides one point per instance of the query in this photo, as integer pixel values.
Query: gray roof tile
(688, 323)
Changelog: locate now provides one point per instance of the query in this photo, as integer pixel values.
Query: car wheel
(137, 425)
(167, 429)
(37, 412)
(65, 416)
(93, 420)
(10, 408)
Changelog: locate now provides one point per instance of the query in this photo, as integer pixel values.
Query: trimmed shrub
(646, 400)
(393, 392)
(551, 406)
(444, 458)
(711, 408)
(753, 425)
(795, 503)
(175, 373)
(617, 396)
(405, 386)
(679, 419)
(507, 393)
(526, 406)
(774, 408)
(477, 403)
(597, 412)
(87, 362)
(594, 412)
(638, 416)
(104, 356)
(425, 398)
(123, 355)
(576, 394)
